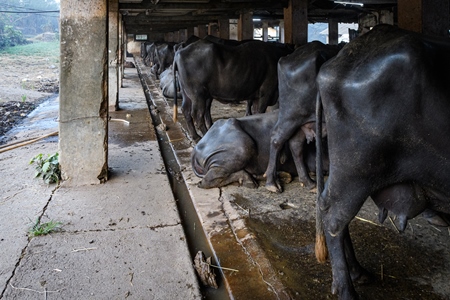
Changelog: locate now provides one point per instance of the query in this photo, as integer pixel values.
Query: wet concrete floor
(266, 241)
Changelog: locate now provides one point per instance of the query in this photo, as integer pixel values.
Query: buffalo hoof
(364, 277)
(250, 184)
(273, 188)
(308, 184)
(434, 218)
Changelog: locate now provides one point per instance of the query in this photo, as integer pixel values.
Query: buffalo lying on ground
(208, 70)
(237, 150)
(166, 84)
(386, 102)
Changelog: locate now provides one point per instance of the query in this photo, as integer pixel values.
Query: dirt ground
(25, 81)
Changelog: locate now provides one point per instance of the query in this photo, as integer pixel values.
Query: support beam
(296, 22)
(202, 31)
(224, 28)
(333, 32)
(430, 17)
(265, 31)
(189, 31)
(245, 26)
(113, 54)
(83, 111)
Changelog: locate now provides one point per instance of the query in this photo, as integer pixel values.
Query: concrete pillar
(213, 29)
(296, 22)
(333, 32)
(233, 29)
(176, 37)
(168, 37)
(224, 28)
(113, 54)
(265, 31)
(245, 26)
(121, 50)
(202, 31)
(190, 31)
(436, 17)
(83, 107)
(281, 31)
(430, 17)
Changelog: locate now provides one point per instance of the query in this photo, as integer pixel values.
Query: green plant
(47, 167)
(44, 228)
(24, 97)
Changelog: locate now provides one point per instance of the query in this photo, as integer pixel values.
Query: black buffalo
(208, 70)
(149, 54)
(237, 150)
(297, 105)
(386, 102)
(163, 56)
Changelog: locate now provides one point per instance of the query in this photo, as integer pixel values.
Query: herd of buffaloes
(370, 114)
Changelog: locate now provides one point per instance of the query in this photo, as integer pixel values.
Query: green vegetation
(42, 49)
(44, 228)
(19, 18)
(47, 168)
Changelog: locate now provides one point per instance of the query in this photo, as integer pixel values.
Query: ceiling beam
(210, 5)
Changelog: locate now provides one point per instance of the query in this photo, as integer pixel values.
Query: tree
(27, 17)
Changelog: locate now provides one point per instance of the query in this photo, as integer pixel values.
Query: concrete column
(265, 31)
(282, 34)
(168, 37)
(296, 22)
(113, 54)
(190, 32)
(202, 31)
(83, 108)
(430, 17)
(333, 32)
(121, 50)
(224, 28)
(245, 26)
(234, 29)
(436, 17)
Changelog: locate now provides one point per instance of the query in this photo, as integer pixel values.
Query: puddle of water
(134, 130)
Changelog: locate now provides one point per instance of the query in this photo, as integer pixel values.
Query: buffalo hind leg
(186, 108)
(297, 145)
(278, 138)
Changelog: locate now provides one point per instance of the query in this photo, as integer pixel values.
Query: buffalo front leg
(277, 141)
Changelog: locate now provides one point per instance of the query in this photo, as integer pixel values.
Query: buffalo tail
(320, 247)
(175, 88)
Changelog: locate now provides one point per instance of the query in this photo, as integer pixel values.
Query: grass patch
(40, 49)
(47, 167)
(44, 228)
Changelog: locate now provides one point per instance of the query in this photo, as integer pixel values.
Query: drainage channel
(196, 238)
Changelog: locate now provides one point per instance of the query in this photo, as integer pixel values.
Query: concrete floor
(118, 240)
